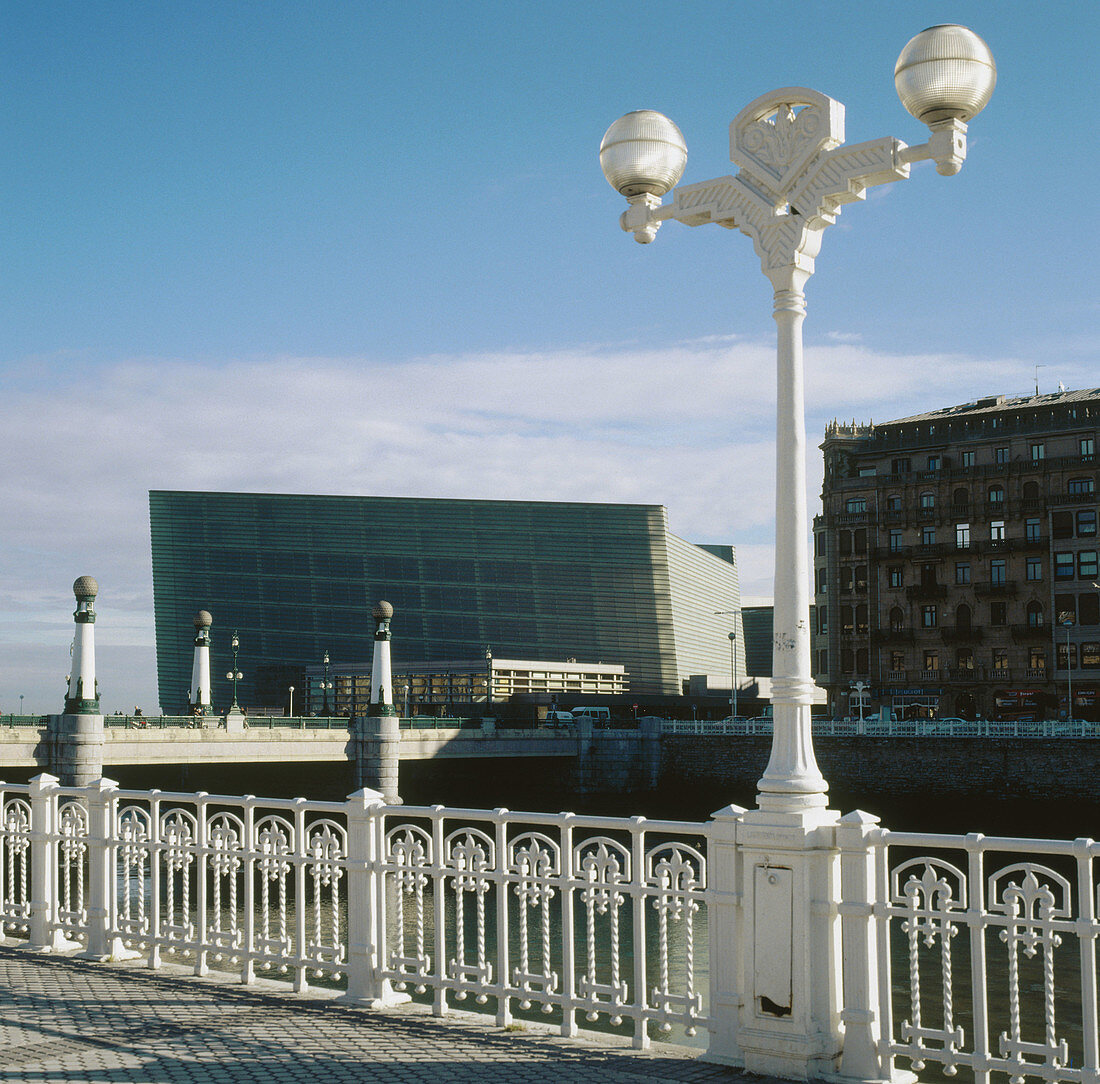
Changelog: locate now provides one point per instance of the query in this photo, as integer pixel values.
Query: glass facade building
(297, 575)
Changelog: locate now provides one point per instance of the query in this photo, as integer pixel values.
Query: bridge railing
(23, 721)
(895, 728)
(957, 950)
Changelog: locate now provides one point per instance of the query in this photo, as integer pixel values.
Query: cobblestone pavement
(63, 1019)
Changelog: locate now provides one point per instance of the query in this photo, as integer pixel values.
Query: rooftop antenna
(1037, 368)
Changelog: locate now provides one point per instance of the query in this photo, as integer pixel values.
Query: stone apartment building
(956, 561)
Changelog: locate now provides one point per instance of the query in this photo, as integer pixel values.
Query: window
(1000, 455)
(895, 576)
(823, 661)
(1088, 607)
(964, 658)
(897, 619)
(1063, 566)
(893, 502)
(928, 617)
(847, 626)
(968, 458)
(1090, 655)
(845, 577)
(900, 466)
(1032, 527)
(1065, 606)
(962, 572)
(1062, 656)
(895, 541)
(1034, 568)
(996, 494)
(1079, 487)
(931, 660)
(1000, 658)
(962, 618)
(822, 619)
(856, 504)
(1034, 615)
(998, 613)
(1038, 451)
(998, 572)
(847, 660)
(1061, 524)
(962, 536)
(897, 660)
(863, 659)
(1086, 565)
(997, 531)
(1037, 658)
(933, 462)
(1087, 446)
(862, 626)
(1086, 522)
(928, 536)
(928, 500)
(860, 540)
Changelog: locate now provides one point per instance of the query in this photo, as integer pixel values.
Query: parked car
(559, 718)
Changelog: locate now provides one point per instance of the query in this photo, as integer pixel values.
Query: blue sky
(367, 248)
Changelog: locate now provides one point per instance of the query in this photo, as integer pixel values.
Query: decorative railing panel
(569, 914)
(994, 942)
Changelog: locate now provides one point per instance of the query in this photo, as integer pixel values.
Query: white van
(597, 716)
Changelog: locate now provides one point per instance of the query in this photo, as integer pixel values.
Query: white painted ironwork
(961, 951)
(982, 928)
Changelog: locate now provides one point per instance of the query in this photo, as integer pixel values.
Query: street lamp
(326, 685)
(291, 711)
(21, 695)
(1068, 623)
(794, 176)
(234, 675)
(733, 660)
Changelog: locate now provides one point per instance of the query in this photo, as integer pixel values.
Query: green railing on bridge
(23, 720)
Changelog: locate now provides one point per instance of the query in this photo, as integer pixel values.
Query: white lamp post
(778, 1004)
(291, 711)
(794, 177)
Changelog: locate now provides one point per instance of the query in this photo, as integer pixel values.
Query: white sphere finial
(946, 72)
(643, 152)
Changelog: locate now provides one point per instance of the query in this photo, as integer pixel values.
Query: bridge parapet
(572, 914)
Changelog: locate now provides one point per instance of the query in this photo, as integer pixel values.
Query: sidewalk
(63, 1019)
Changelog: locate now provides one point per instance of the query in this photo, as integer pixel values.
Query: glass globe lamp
(945, 73)
(643, 153)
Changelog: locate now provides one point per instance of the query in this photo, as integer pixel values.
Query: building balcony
(926, 591)
(988, 589)
(898, 676)
(1037, 673)
(931, 675)
(895, 636)
(1071, 498)
(1030, 633)
(962, 634)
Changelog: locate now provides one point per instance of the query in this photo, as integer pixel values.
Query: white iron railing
(958, 950)
(894, 728)
(999, 953)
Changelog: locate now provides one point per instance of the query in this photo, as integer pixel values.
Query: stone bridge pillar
(376, 739)
(78, 733)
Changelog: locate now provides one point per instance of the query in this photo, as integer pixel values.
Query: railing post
(103, 942)
(365, 895)
(724, 926)
(863, 1057)
(45, 935)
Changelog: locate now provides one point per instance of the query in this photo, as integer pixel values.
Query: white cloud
(691, 426)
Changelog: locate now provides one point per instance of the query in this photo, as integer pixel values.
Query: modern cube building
(296, 576)
(956, 561)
